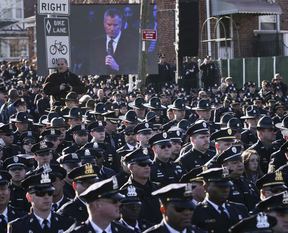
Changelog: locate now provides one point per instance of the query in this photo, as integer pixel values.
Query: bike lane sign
(57, 40)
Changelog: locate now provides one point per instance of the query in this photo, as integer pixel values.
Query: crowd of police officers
(84, 154)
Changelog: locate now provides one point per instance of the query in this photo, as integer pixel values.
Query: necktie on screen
(110, 50)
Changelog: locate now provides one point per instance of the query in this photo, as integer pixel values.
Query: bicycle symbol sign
(58, 47)
(57, 40)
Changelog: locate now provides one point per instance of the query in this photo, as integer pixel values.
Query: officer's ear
(29, 197)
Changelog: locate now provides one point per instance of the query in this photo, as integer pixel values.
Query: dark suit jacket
(161, 228)
(126, 55)
(207, 218)
(29, 224)
(86, 227)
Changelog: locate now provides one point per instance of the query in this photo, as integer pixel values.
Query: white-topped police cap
(199, 127)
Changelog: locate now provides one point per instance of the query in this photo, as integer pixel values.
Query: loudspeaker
(188, 27)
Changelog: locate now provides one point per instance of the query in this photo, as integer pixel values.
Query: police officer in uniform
(223, 139)
(7, 212)
(216, 214)
(249, 136)
(200, 140)
(41, 219)
(130, 210)
(178, 109)
(270, 184)
(17, 168)
(264, 147)
(103, 201)
(177, 210)
(80, 137)
(241, 190)
(163, 170)
(82, 177)
(139, 165)
(276, 206)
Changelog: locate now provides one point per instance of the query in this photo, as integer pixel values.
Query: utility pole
(142, 57)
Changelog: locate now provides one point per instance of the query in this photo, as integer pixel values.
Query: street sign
(54, 7)
(149, 34)
(57, 40)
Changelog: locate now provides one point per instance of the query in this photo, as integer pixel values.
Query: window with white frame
(267, 22)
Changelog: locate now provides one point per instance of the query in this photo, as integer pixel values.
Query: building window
(267, 22)
(18, 48)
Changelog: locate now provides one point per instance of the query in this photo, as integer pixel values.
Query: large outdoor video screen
(103, 39)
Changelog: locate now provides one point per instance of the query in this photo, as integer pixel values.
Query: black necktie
(3, 223)
(103, 231)
(45, 225)
(110, 50)
(222, 212)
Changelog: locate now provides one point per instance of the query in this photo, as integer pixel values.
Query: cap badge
(100, 123)
(82, 127)
(89, 169)
(145, 151)
(43, 145)
(285, 198)
(207, 104)
(87, 152)
(52, 131)
(229, 131)
(131, 191)
(15, 159)
(225, 172)
(234, 150)
(46, 168)
(1, 177)
(188, 190)
(95, 145)
(262, 221)
(204, 125)
(146, 125)
(164, 135)
(29, 133)
(74, 156)
(178, 133)
(204, 168)
(45, 178)
(278, 176)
